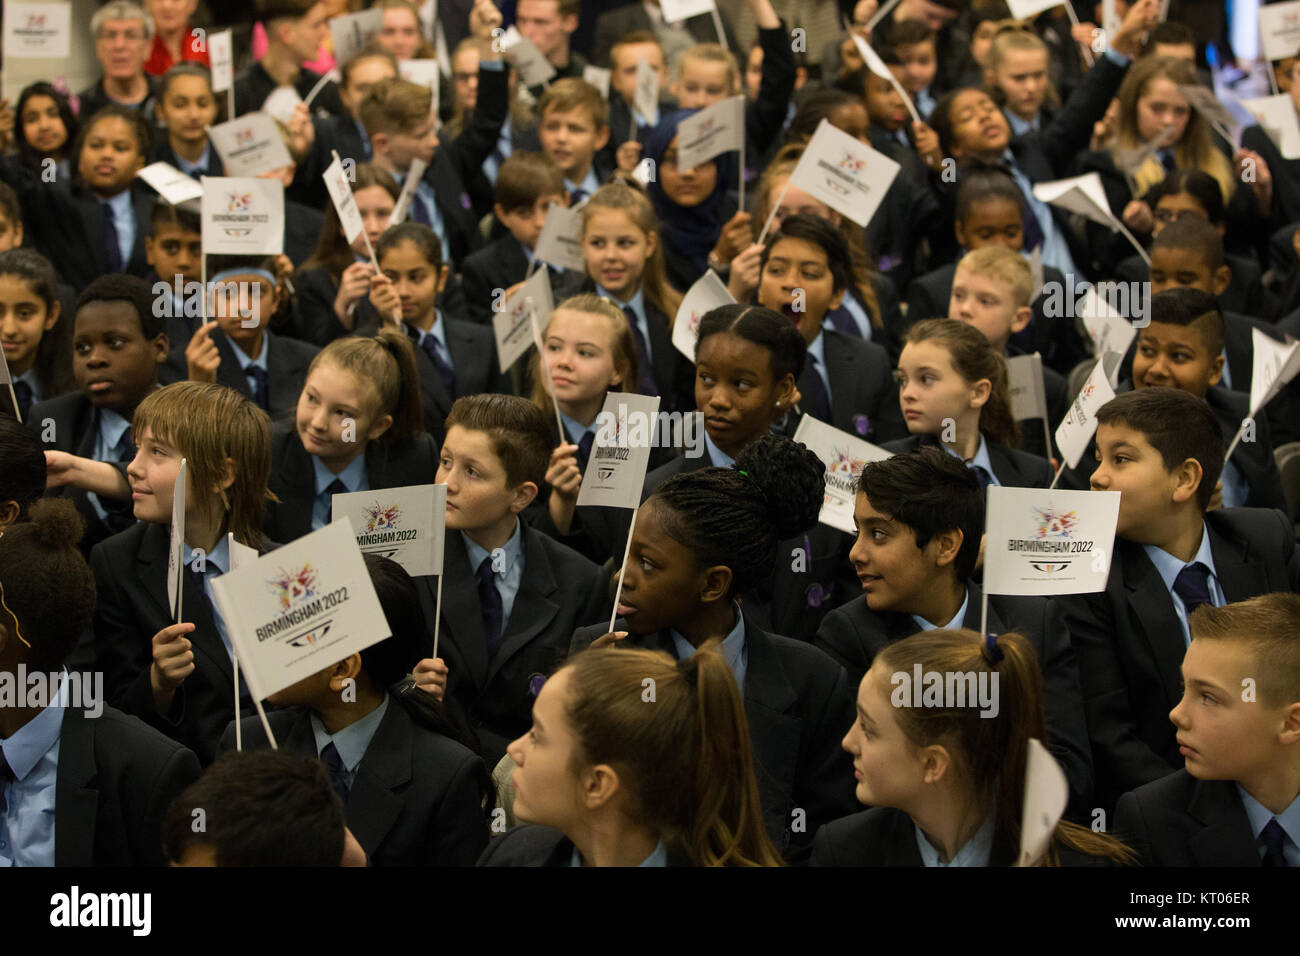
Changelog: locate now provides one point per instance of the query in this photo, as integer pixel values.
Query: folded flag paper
(843, 455)
(708, 293)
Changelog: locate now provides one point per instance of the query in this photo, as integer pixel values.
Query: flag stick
(266, 724)
(717, 25)
(320, 85)
(772, 215)
(741, 206)
(437, 614)
(1047, 439)
(239, 731)
(1057, 476)
(1236, 439)
(883, 12)
(230, 101)
(1074, 22)
(618, 591)
(984, 612)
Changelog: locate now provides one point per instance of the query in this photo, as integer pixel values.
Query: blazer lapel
(468, 362)
(152, 557)
(533, 609)
(76, 801)
(300, 480)
(1240, 571)
(230, 373)
(661, 347)
(840, 370)
(142, 204)
(373, 801)
(1150, 602)
(1226, 839)
(774, 732)
(283, 382)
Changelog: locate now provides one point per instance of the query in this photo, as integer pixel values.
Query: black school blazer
(130, 608)
(389, 464)
(1179, 820)
(864, 394)
(1011, 466)
(287, 361)
(474, 366)
(416, 799)
(115, 780)
(1130, 646)
(799, 706)
(854, 634)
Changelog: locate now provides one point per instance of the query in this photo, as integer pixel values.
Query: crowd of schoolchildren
(741, 709)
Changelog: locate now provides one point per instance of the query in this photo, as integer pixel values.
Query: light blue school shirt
(1288, 819)
(354, 478)
(637, 305)
(27, 825)
(1018, 126)
(719, 457)
(430, 199)
(981, 459)
(976, 851)
(954, 624)
(439, 337)
(734, 649)
(124, 220)
(860, 317)
(1235, 489)
(924, 102)
(201, 167)
(112, 428)
(589, 183)
(1168, 566)
(508, 580)
(574, 429)
(352, 741)
(215, 563)
(818, 351)
(1056, 251)
(244, 362)
(658, 857)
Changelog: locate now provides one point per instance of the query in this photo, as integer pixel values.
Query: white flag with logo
(625, 430)
(176, 545)
(708, 293)
(1046, 794)
(170, 183)
(1276, 116)
(533, 68)
(560, 241)
(242, 215)
(1273, 365)
(1025, 385)
(37, 31)
(675, 10)
(1279, 29)
(250, 145)
(1047, 540)
(1074, 433)
(1109, 331)
(512, 325)
(718, 129)
(402, 208)
(241, 555)
(1079, 194)
(598, 77)
(845, 173)
(843, 455)
(405, 525)
(300, 608)
(646, 98)
(352, 31)
(345, 204)
(221, 56)
(1024, 9)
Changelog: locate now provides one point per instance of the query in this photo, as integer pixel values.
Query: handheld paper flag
(1109, 331)
(844, 173)
(718, 129)
(560, 241)
(1274, 364)
(176, 546)
(646, 98)
(1025, 384)
(1277, 117)
(222, 59)
(676, 10)
(1074, 433)
(405, 525)
(843, 455)
(707, 294)
(242, 215)
(170, 183)
(621, 451)
(345, 204)
(1046, 794)
(249, 145)
(402, 207)
(1279, 29)
(533, 68)
(1048, 541)
(37, 31)
(512, 326)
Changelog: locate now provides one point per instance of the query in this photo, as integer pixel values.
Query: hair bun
(57, 523)
(791, 480)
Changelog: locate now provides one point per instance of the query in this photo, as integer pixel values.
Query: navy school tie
(338, 775)
(645, 383)
(985, 479)
(1193, 586)
(112, 250)
(490, 598)
(816, 401)
(23, 392)
(1273, 836)
(448, 375)
(335, 487)
(259, 383)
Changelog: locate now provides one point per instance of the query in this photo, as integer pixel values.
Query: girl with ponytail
(635, 759)
(953, 391)
(701, 541)
(946, 779)
(402, 755)
(358, 427)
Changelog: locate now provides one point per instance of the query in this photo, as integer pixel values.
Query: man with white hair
(123, 35)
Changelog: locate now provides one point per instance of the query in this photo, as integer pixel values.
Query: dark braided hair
(735, 517)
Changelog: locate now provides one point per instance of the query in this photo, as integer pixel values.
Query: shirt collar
(351, 476)
(436, 330)
(352, 741)
(574, 428)
(121, 203)
(33, 740)
(218, 557)
(658, 857)
(1168, 566)
(975, 852)
(201, 166)
(733, 645)
(242, 356)
(818, 348)
(1018, 126)
(954, 624)
(1259, 815)
(514, 549)
(719, 457)
(981, 457)
(112, 427)
(636, 303)
(588, 185)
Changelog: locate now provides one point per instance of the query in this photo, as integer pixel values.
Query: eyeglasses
(130, 36)
(1167, 216)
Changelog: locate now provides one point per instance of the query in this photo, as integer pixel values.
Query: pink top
(323, 63)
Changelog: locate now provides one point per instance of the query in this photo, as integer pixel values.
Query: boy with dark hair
(528, 184)
(920, 518)
(295, 30)
(260, 808)
(1182, 348)
(914, 62)
(1237, 800)
(117, 348)
(1163, 450)
(512, 597)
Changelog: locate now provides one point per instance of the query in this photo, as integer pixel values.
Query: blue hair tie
(992, 653)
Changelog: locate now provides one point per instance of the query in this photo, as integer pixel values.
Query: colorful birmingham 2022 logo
(843, 471)
(1086, 392)
(382, 518)
(239, 202)
(852, 164)
(294, 587)
(243, 136)
(1055, 524)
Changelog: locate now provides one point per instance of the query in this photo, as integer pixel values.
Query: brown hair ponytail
(974, 359)
(677, 736)
(387, 362)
